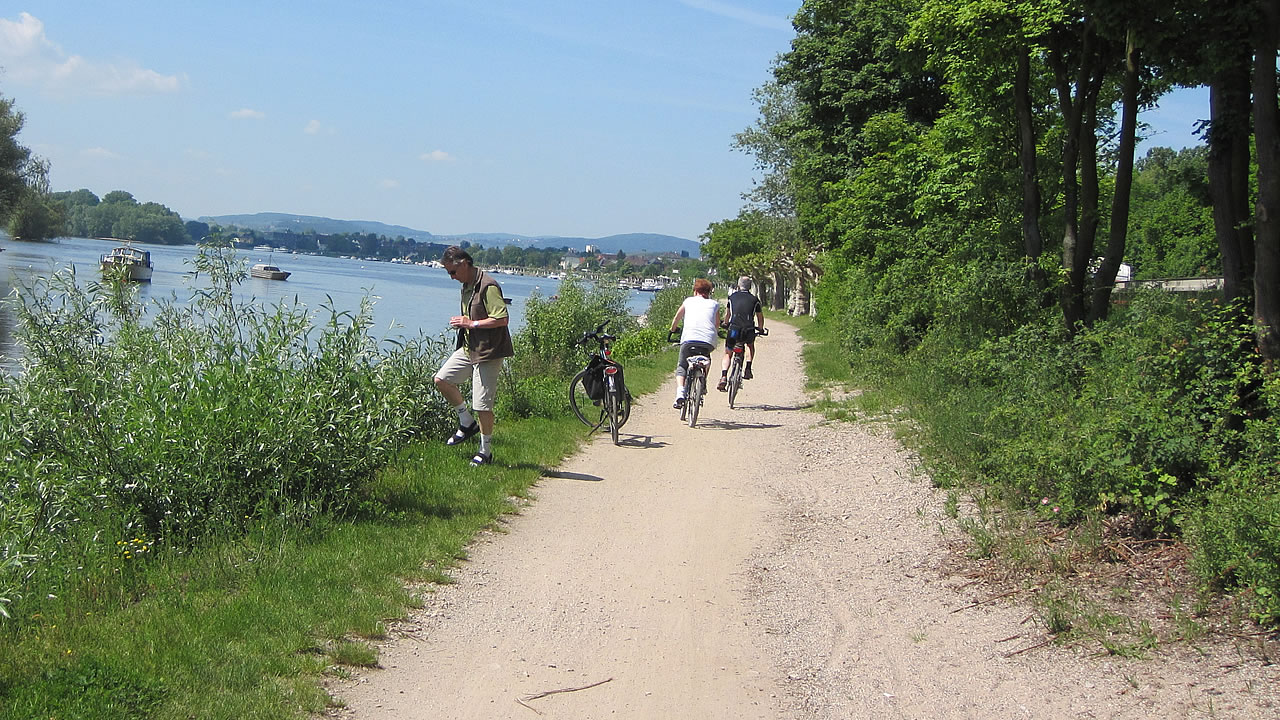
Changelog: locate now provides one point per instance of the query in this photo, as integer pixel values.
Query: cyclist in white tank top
(701, 316)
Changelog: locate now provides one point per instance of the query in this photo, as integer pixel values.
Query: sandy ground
(765, 564)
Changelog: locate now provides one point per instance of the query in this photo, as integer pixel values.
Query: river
(407, 298)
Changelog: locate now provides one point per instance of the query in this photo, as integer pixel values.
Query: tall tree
(1266, 123)
(1224, 54)
(14, 158)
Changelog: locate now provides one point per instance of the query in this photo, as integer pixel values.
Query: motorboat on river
(135, 264)
(268, 272)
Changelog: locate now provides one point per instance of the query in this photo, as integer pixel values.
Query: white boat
(136, 263)
(268, 272)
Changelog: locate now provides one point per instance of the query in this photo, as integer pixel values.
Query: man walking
(483, 341)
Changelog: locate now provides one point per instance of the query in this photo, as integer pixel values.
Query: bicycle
(695, 382)
(598, 393)
(734, 381)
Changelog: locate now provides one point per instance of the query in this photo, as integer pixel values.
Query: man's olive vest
(486, 343)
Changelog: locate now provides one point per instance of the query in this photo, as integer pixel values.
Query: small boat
(268, 272)
(136, 263)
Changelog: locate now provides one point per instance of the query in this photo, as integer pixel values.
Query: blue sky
(561, 117)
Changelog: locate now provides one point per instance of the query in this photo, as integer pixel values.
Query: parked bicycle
(598, 394)
(695, 382)
(736, 363)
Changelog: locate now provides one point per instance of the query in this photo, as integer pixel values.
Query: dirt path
(765, 564)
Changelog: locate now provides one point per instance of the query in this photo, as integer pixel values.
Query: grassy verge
(245, 628)
(1090, 580)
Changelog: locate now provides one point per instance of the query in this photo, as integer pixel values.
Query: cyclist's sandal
(482, 458)
(463, 434)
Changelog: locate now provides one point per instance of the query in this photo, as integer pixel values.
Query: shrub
(188, 427)
(546, 344)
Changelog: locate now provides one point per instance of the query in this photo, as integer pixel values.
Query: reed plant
(132, 430)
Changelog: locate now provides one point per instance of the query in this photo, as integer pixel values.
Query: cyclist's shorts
(733, 335)
(688, 350)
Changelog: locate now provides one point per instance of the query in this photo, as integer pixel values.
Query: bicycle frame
(613, 407)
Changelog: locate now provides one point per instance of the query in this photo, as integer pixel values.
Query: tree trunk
(1032, 240)
(1072, 107)
(779, 299)
(799, 304)
(1266, 128)
(1105, 279)
(1229, 173)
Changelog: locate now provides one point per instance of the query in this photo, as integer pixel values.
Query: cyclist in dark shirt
(744, 316)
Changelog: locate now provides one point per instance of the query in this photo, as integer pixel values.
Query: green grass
(246, 628)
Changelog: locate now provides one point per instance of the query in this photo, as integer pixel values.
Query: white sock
(485, 442)
(464, 416)
(680, 391)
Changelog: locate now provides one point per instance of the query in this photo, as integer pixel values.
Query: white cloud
(435, 156)
(750, 17)
(99, 152)
(389, 184)
(315, 127)
(32, 59)
(247, 114)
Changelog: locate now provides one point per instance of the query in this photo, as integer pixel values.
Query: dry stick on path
(984, 602)
(554, 692)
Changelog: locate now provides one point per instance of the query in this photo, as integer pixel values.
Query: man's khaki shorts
(462, 366)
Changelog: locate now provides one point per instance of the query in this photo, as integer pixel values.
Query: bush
(537, 396)
(664, 305)
(640, 343)
(547, 343)
(1235, 533)
(120, 435)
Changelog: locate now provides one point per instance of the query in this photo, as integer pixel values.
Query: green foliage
(190, 427)
(534, 396)
(119, 215)
(746, 245)
(664, 305)
(640, 343)
(1171, 226)
(546, 345)
(90, 689)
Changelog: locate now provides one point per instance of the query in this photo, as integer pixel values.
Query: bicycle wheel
(584, 408)
(611, 410)
(697, 386)
(735, 378)
(624, 404)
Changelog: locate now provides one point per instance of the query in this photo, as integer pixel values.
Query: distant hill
(630, 243)
(280, 222)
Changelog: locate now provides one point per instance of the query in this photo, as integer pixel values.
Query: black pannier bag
(593, 378)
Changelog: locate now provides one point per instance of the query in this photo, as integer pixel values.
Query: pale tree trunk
(799, 304)
(778, 299)
(1266, 129)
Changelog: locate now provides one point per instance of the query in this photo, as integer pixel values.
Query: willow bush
(135, 430)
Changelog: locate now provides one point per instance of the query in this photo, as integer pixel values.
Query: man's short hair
(454, 254)
(702, 286)
(744, 282)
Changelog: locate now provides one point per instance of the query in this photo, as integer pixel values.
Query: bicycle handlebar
(598, 335)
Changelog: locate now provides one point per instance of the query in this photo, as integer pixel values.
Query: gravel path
(766, 564)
